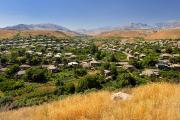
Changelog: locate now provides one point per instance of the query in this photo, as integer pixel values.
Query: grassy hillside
(8, 34)
(149, 102)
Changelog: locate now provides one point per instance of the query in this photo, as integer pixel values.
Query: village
(32, 69)
(53, 55)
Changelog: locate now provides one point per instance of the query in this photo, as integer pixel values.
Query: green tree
(93, 48)
(87, 83)
(37, 74)
(12, 70)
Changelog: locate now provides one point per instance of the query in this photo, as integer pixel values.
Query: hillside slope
(8, 34)
(147, 34)
(149, 102)
(125, 33)
(4, 34)
(165, 34)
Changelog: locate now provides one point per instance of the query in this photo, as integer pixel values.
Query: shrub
(39, 75)
(62, 88)
(12, 70)
(11, 85)
(5, 101)
(87, 83)
(80, 72)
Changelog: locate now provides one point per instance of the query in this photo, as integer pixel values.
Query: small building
(150, 72)
(85, 65)
(107, 73)
(53, 69)
(165, 56)
(68, 54)
(94, 63)
(162, 66)
(24, 67)
(175, 66)
(73, 64)
(21, 73)
(141, 56)
(129, 67)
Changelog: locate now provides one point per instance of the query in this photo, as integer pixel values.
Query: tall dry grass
(149, 102)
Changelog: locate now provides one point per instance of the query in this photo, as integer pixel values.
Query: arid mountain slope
(165, 34)
(5, 34)
(149, 102)
(126, 33)
(147, 34)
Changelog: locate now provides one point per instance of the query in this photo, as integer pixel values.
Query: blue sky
(76, 14)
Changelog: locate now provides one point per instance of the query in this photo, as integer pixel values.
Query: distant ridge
(45, 26)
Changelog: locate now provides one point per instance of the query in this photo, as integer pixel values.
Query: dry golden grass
(150, 102)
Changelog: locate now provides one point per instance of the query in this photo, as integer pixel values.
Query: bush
(69, 88)
(172, 75)
(5, 101)
(11, 85)
(137, 64)
(62, 88)
(150, 60)
(87, 83)
(12, 70)
(80, 72)
(39, 75)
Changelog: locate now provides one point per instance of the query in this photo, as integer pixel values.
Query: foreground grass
(149, 102)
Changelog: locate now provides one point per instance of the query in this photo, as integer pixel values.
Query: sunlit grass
(150, 102)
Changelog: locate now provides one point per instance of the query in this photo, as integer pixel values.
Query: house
(3, 69)
(73, 64)
(128, 67)
(57, 56)
(24, 67)
(94, 63)
(39, 53)
(121, 63)
(107, 73)
(166, 62)
(162, 66)
(165, 56)
(141, 56)
(175, 66)
(85, 65)
(176, 55)
(49, 55)
(30, 52)
(68, 54)
(150, 72)
(21, 72)
(53, 69)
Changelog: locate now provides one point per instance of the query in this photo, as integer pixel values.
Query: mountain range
(46, 26)
(132, 26)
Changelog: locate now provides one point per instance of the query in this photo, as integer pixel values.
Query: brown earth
(146, 34)
(8, 34)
